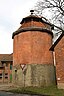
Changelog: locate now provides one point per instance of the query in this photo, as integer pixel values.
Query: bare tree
(53, 10)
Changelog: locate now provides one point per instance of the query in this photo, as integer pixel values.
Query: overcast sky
(11, 14)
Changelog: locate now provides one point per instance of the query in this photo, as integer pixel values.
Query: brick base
(34, 75)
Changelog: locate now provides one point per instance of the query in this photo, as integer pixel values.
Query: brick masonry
(32, 48)
(59, 52)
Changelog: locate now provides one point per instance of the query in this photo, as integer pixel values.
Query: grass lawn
(51, 91)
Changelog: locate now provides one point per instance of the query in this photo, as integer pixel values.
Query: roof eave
(56, 42)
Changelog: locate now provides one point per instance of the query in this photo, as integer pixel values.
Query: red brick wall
(35, 24)
(59, 51)
(32, 47)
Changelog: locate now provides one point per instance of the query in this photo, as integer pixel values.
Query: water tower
(32, 60)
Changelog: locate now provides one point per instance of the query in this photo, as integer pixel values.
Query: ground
(12, 90)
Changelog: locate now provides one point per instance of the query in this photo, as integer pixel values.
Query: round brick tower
(32, 60)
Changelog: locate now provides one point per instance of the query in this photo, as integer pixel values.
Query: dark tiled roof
(36, 18)
(6, 57)
(32, 29)
(31, 17)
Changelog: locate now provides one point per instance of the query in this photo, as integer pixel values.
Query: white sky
(11, 14)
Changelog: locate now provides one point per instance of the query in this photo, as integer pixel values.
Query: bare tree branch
(55, 9)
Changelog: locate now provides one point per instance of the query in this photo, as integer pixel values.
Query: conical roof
(28, 24)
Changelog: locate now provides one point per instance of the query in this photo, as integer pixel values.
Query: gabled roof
(56, 42)
(6, 57)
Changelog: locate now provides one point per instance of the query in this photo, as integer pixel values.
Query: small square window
(0, 75)
(6, 75)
